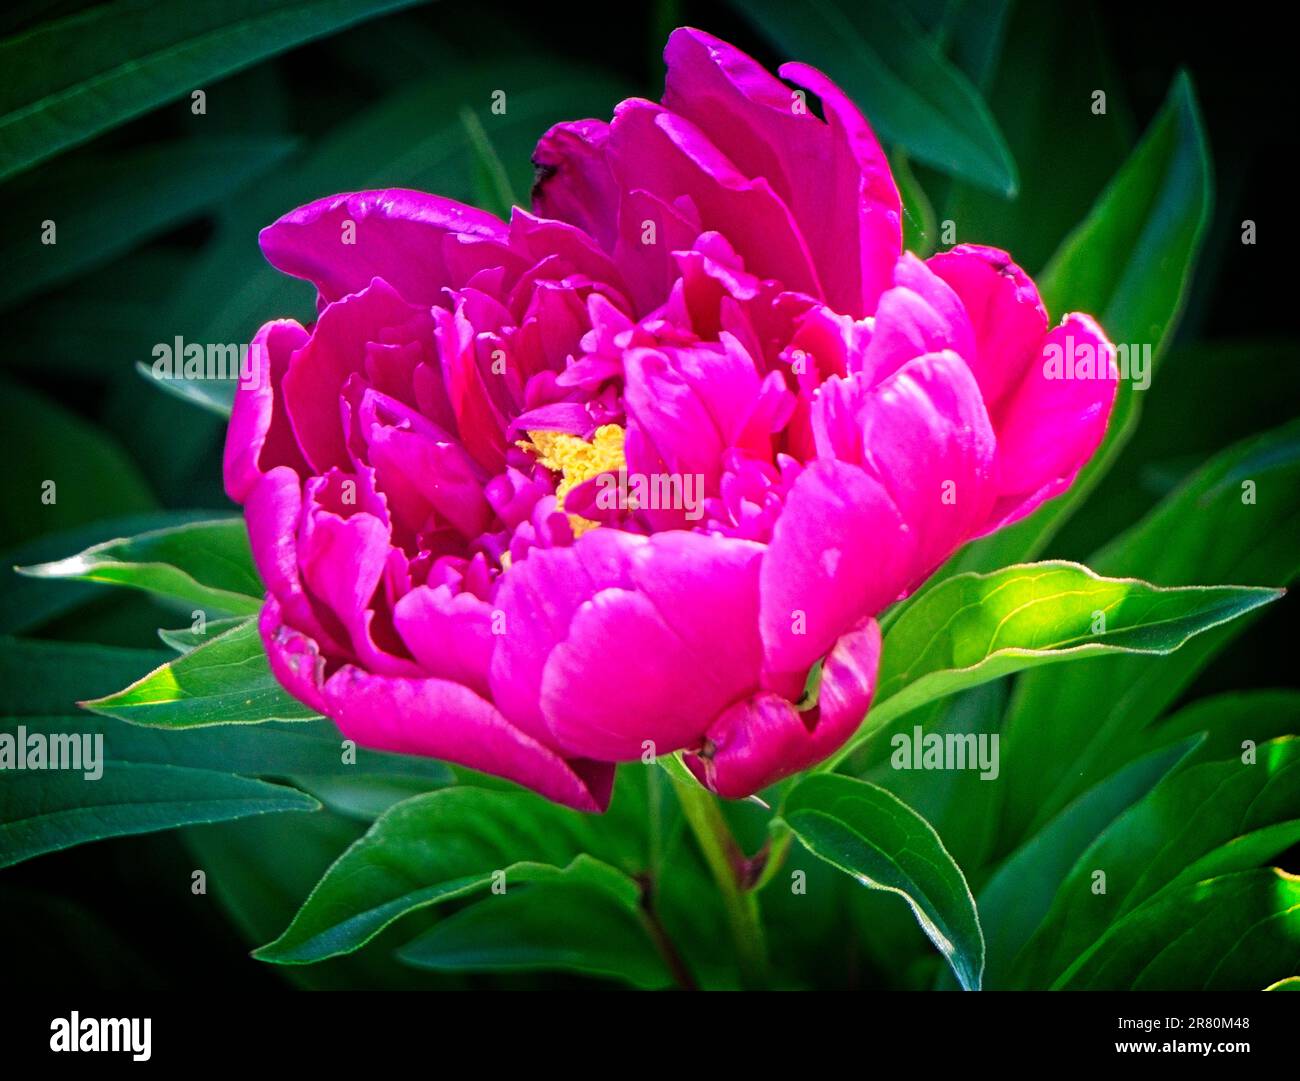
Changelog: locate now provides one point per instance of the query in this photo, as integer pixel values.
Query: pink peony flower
(538, 498)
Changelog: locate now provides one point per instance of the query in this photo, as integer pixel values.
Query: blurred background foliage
(985, 106)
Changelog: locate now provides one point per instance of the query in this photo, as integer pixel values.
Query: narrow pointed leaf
(203, 563)
(872, 835)
(226, 681)
(976, 627)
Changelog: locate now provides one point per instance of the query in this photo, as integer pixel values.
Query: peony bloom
(614, 477)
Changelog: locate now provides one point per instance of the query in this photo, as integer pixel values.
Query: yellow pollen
(577, 461)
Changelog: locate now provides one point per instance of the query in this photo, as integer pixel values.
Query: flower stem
(727, 863)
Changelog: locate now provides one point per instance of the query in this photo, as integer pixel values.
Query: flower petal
(840, 551)
(260, 437)
(438, 718)
(341, 242)
(765, 738)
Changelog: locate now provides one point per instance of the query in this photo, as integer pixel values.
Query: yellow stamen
(577, 461)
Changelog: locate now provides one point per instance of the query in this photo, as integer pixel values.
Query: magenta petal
(273, 511)
(686, 407)
(319, 369)
(667, 156)
(537, 600)
(342, 562)
(858, 166)
(840, 549)
(1007, 316)
(294, 657)
(924, 435)
(920, 314)
(832, 174)
(649, 667)
(438, 718)
(449, 634)
(1052, 426)
(765, 738)
(342, 242)
(259, 437)
(574, 183)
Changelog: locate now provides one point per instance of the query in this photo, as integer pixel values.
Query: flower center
(577, 461)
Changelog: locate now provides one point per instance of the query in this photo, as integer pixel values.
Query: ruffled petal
(438, 718)
(839, 551)
(757, 742)
(924, 435)
(260, 437)
(659, 152)
(1052, 425)
(653, 664)
(343, 241)
(832, 174)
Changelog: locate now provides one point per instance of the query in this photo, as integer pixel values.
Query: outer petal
(924, 435)
(259, 437)
(765, 738)
(537, 600)
(660, 660)
(437, 718)
(399, 236)
(1006, 314)
(574, 183)
(832, 174)
(665, 155)
(273, 512)
(295, 658)
(840, 551)
(1052, 426)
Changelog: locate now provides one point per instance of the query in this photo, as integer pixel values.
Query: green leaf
(42, 677)
(226, 681)
(1210, 819)
(1019, 896)
(185, 639)
(976, 627)
(492, 183)
(869, 833)
(203, 563)
(365, 796)
(73, 77)
(259, 870)
(1226, 934)
(138, 194)
(46, 445)
(27, 603)
(441, 846)
(1224, 722)
(909, 91)
(215, 396)
(1129, 264)
(44, 810)
(275, 749)
(1049, 64)
(595, 930)
(920, 230)
(1100, 707)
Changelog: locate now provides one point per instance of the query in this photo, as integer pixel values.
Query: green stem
(726, 861)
